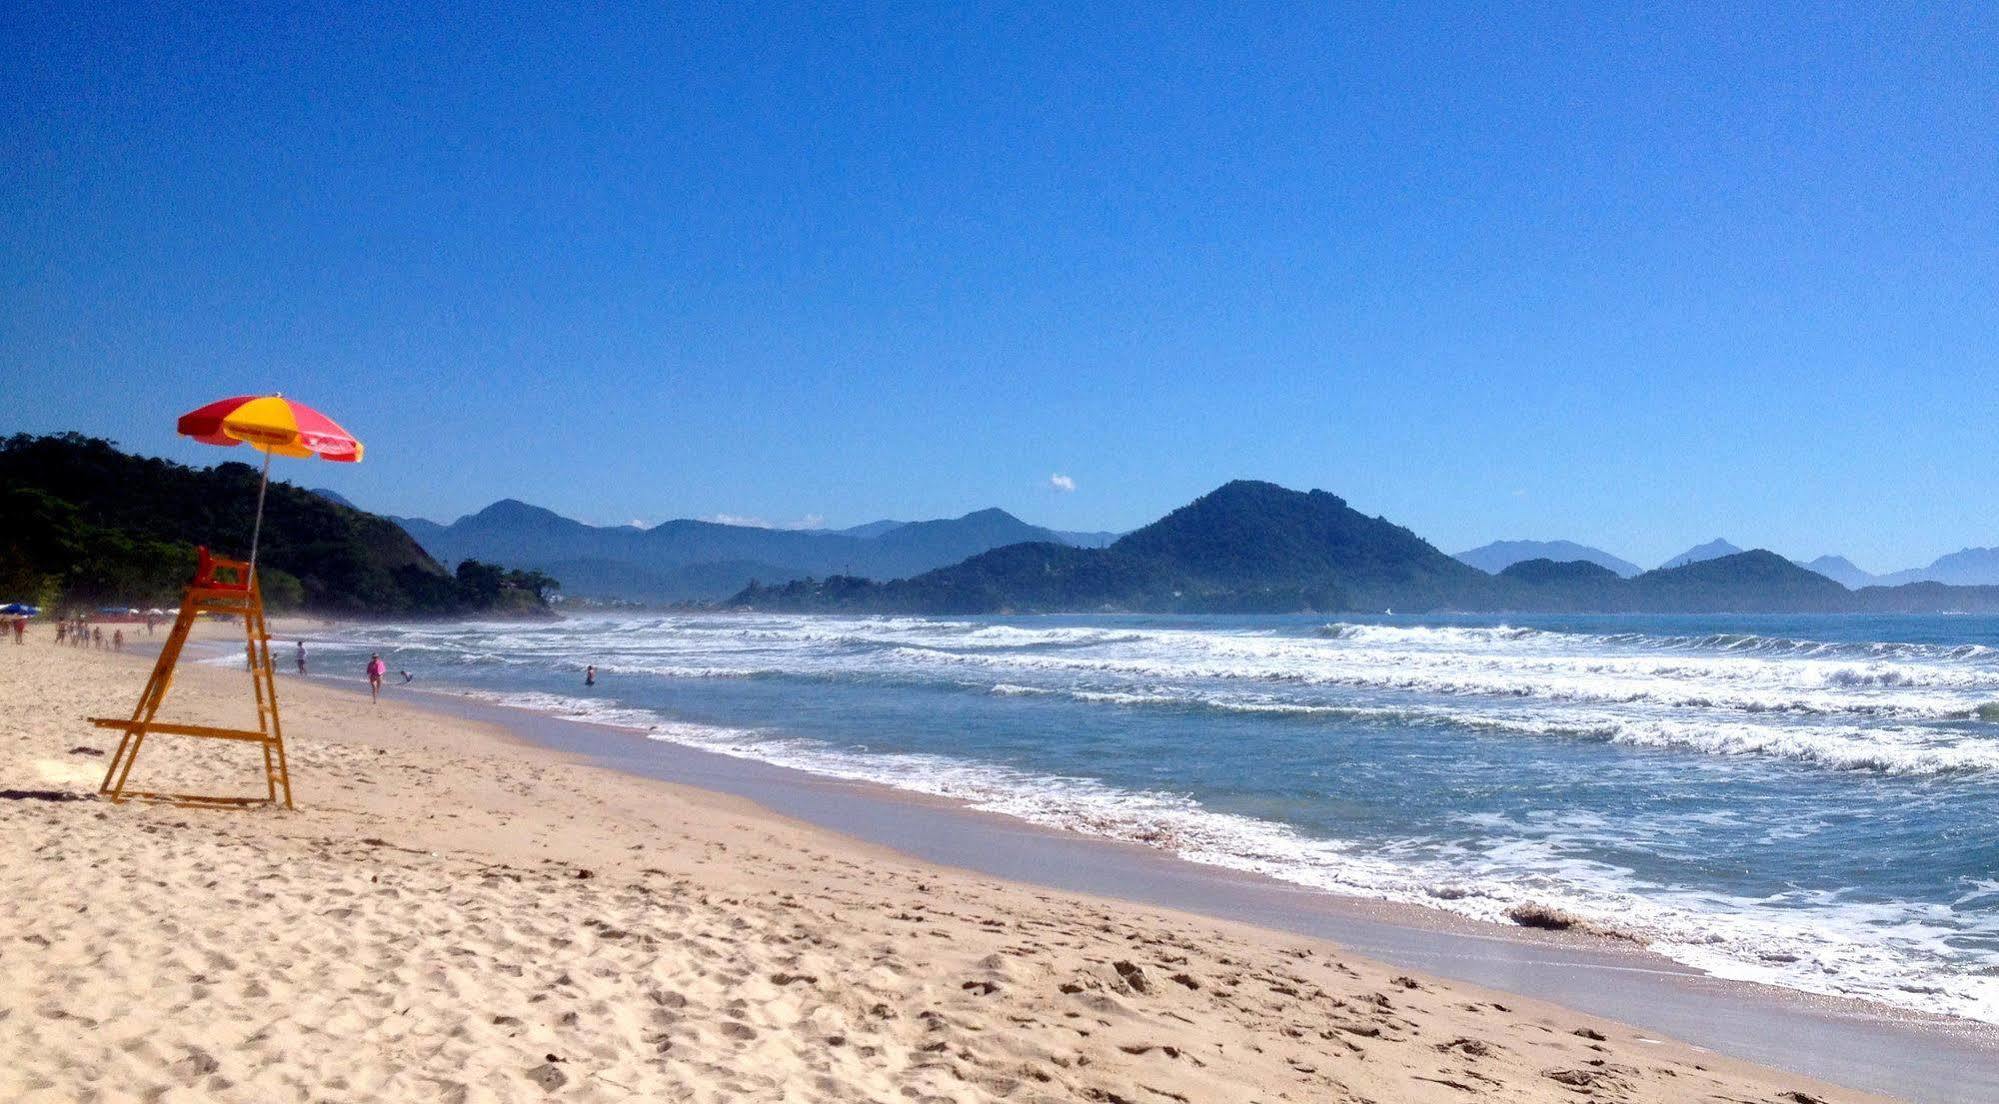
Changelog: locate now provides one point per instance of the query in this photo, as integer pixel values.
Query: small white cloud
(1061, 482)
(1519, 492)
(809, 521)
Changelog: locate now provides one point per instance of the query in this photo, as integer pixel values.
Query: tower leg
(120, 767)
(263, 677)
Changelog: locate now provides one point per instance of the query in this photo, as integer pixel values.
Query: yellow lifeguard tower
(237, 596)
(272, 424)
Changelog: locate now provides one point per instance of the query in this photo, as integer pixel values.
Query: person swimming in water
(590, 675)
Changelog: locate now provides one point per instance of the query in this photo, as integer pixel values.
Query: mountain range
(687, 560)
(1968, 567)
(1965, 567)
(1256, 547)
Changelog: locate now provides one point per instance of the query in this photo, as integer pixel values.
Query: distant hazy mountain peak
(513, 508)
(1840, 570)
(511, 515)
(1499, 555)
(868, 530)
(1966, 567)
(990, 513)
(1712, 550)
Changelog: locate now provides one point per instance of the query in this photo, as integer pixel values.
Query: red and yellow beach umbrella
(274, 425)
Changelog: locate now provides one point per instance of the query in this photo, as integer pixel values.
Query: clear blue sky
(1633, 277)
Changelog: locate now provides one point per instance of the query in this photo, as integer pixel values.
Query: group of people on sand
(79, 633)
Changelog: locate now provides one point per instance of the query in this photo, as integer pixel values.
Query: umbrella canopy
(18, 608)
(278, 427)
(273, 424)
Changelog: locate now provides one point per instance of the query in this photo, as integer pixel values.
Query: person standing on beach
(590, 675)
(118, 640)
(20, 630)
(376, 669)
(301, 659)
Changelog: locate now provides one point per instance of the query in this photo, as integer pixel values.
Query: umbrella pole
(257, 529)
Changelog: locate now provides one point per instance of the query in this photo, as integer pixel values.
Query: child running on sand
(376, 669)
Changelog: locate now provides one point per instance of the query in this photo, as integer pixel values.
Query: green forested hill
(84, 523)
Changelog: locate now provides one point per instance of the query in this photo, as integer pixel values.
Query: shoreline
(548, 868)
(1774, 805)
(1846, 1040)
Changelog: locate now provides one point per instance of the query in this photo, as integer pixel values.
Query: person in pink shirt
(376, 669)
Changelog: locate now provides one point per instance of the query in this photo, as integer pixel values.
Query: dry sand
(453, 915)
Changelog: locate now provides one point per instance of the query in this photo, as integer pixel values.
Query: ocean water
(1810, 802)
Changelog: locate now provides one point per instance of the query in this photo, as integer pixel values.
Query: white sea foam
(1851, 706)
(1458, 636)
(1804, 687)
(1900, 749)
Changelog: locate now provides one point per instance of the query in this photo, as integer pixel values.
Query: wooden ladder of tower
(238, 596)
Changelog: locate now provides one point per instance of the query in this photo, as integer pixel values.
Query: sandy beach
(453, 914)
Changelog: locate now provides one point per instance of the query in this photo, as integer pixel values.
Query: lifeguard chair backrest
(207, 565)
